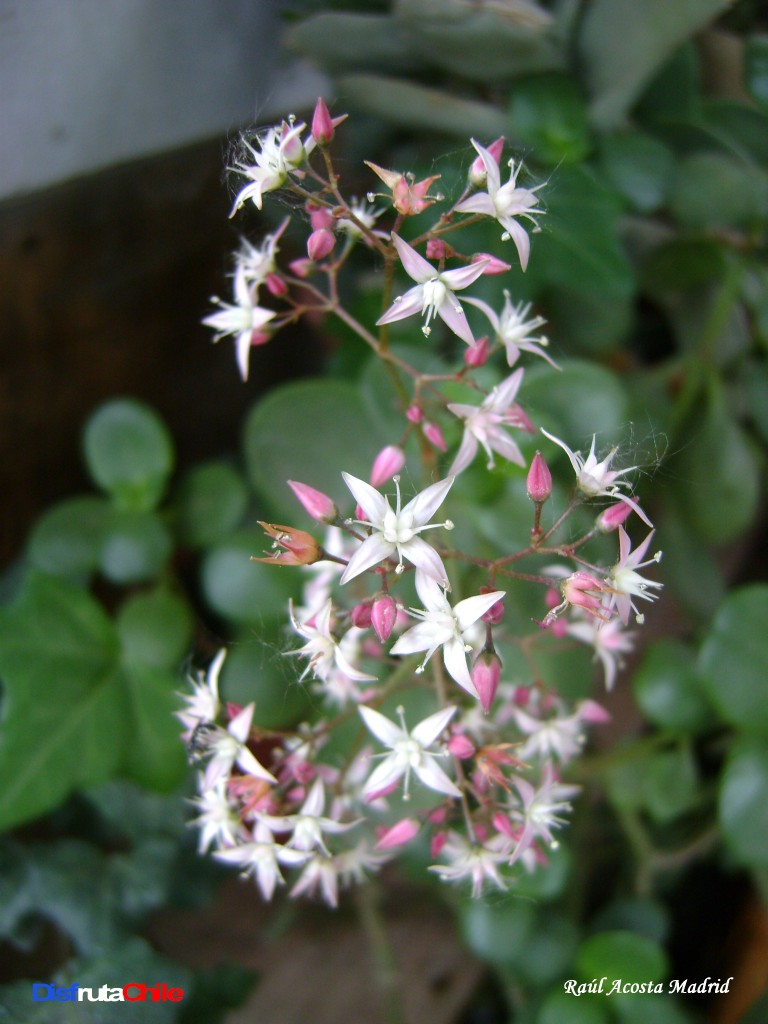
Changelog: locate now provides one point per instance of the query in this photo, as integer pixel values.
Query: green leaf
(67, 539)
(668, 690)
(497, 932)
(564, 1008)
(154, 755)
(734, 659)
(671, 784)
(661, 1009)
(743, 803)
(646, 917)
(575, 402)
(713, 190)
(417, 107)
(549, 951)
(755, 382)
(309, 431)
(155, 629)
(548, 115)
(257, 670)
(639, 167)
(129, 452)
(682, 264)
(756, 67)
(689, 567)
(344, 40)
(621, 955)
(242, 590)
(624, 42)
(209, 503)
(64, 719)
(135, 547)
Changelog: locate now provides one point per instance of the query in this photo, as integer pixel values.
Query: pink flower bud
(319, 217)
(495, 613)
(477, 354)
(319, 505)
(539, 482)
(301, 267)
(439, 840)
(414, 413)
(583, 590)
(521, 696)
(502, 824)
(291, 546)
(477, 172)
(361, 616)
(260, 338)
(387, 464)
(486, 673)
(434, 435)
(612, 517)
(399, 834)
(275, 285)
(493, 265)
(436, 249)
(591, 711)
(383, 616)
(320, 244)
(461, 746)
(322, 125)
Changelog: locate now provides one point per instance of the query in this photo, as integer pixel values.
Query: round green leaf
(309, 431)
(668, 690)
(564, 1008)
(734, 659)
(257, 671)
(621, 955)
(155, 629)
(719, 477)
(714, 190)
(242, 590)
(639, 167)
(67, 539)
(756, 67)
(210, 503)
(129, 452)
(670, 785)
(575, 402)
(497, 932)
(657, 1007)
(548, 953)
(743, 803)
(647, 917)
(135, 548)
(548, 114)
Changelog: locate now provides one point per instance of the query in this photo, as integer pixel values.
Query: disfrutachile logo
(133, 992)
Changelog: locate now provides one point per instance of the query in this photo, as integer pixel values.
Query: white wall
(89, 83)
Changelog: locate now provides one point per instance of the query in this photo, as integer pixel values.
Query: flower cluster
(399, 633)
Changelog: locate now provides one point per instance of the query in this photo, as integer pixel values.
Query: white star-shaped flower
(626, 581)
(280, 150)
(410, 752)
(396, 532)
(243, 319)
(515, 331)
(322, 648)
(484, 425)
(308, 825)
(203, 703)
(476, 861)
(434, 292)
(444, 626)
(262, 858)
(228, 748)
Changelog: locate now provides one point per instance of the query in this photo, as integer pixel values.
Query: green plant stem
(385, 971)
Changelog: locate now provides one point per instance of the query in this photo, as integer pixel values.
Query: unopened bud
(414, 414)
(298, 547)
(486, 673)
(319, 505)
(436, 249)
(361, 616)
(539, 482)
(591, 711)
(387, 464)
(301, 267)
(383, 616)
(322, 125)
(434, 435)
(461, 746)
(477, 354)
(493, 265)
(319, 216)
(477, 172)
(275, 285)
(612, 517)
(495, 613)
(399, 834)
(320, 244)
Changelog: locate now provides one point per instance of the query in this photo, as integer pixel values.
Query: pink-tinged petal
(479, 203)
(486, 309)
(456, 321)
(414, 265)
(631, 503)
(519, 236)
(403, 306)
(247, 762)
(467, 450)
(472, 608)
(349, 670)
(625, 545)
(240, 725)
(591, 711)
(315, 802)
(373, 550)
(428, 501)
(462, 410)
(426, 732)
(399, 834)
(504, 394)
(426, 559)
(384, 775)
(491, 167)
(382, 728)
(368, 498)
(462, 277)
(507, 448)
(561, 444)
(433, 776)
(455, 658)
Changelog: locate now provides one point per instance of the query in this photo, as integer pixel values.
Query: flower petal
(382, 728)
(374, 505)
(373, 550)
(433, 776)
(427, 731)
(454, 317)
(455, 658)
(426, 559)
(414, 265)
(428, 501)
